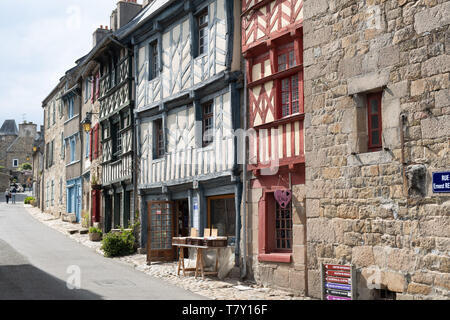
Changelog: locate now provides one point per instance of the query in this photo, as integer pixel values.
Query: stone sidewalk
(212, 288)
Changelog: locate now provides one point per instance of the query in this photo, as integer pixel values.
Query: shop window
(222, 215)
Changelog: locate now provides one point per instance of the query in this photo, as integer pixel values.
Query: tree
(26, 166)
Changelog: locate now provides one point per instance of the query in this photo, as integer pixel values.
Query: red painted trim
(372, 146)
(276, 76)
(275, 257)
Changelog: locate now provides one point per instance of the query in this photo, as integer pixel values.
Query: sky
(40, 41)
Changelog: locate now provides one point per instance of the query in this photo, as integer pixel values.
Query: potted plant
(95, 234)
(94, 182)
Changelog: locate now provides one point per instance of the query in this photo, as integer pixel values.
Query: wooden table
(199, 262)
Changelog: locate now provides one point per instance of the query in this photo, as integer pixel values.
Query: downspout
(244, 184)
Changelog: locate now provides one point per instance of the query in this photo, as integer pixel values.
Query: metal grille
(161, 226)
(284, 227)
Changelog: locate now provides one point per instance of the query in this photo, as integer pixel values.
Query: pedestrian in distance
(7, 195)
(14, 191)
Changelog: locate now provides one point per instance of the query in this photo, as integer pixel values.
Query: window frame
(15, 165)
(202, 49)
(205, 117)
(154, 57)
(376, 96)
(159, 142)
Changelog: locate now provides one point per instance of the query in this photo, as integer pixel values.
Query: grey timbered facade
(187, 109)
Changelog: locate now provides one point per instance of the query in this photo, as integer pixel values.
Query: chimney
(98, 35)
(126, 10)
(27, 129)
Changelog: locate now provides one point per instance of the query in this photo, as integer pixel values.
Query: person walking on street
(14, 191)
(7, 195)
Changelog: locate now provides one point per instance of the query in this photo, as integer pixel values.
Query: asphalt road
(37, 263)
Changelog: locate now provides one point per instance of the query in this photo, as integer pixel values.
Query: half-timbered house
(272, 48)
(187, 109)
(115, 131)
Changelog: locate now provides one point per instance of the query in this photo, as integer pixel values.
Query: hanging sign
(283, 197)
(441, 182)
(337, 282)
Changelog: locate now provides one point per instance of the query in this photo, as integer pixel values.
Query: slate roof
(148, 12)
(9, 128)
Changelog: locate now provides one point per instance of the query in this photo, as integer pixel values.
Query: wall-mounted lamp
(86, 123)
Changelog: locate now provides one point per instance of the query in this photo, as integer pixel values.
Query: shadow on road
(19, 280)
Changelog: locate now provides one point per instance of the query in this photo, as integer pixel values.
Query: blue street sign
(338, 286)
(441, 182)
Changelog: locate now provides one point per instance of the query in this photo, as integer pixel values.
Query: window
(289, 86)
(15, 163)
(88, 144)
(286, 58)
(63, 146)
(283, 225)
(72, 149)
(71, 111)
(87, 89)
(53, 193)
(374, 121)
(275, 242)
(117, 139)
(202, 21)
(48, 117)
(208, 123)
(289, 96)
(54, 112)
(154, 60)
(159, 139)
(47, 194)
(222, 215)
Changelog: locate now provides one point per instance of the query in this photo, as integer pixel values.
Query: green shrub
(118, 244)
(28, 200)
(95, 230)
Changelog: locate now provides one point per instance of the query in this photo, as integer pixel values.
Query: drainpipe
(244, 184)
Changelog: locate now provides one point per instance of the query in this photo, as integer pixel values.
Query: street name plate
(441, 182)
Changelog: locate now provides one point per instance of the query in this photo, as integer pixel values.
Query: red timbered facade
(272, 45)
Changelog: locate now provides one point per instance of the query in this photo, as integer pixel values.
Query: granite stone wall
(376, 210)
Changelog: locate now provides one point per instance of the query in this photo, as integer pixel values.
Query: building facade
(377, 106)
(187, 108)
(272, 45)
(71, 100)
(53, 182)
(91, 155)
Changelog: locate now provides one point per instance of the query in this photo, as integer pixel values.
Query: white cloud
(41, 40)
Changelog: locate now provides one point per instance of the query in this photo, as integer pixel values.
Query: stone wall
(56, 172)
(366, 208)
(287, 276)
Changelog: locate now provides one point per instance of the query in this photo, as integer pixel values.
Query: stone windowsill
(275, 257)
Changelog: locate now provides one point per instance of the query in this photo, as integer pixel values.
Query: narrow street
(36, 262)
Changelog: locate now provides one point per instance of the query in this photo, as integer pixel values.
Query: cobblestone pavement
(227, 289)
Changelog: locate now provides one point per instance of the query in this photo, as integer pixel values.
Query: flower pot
(95, 236)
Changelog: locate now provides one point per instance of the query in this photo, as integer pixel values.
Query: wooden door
(160, 230)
